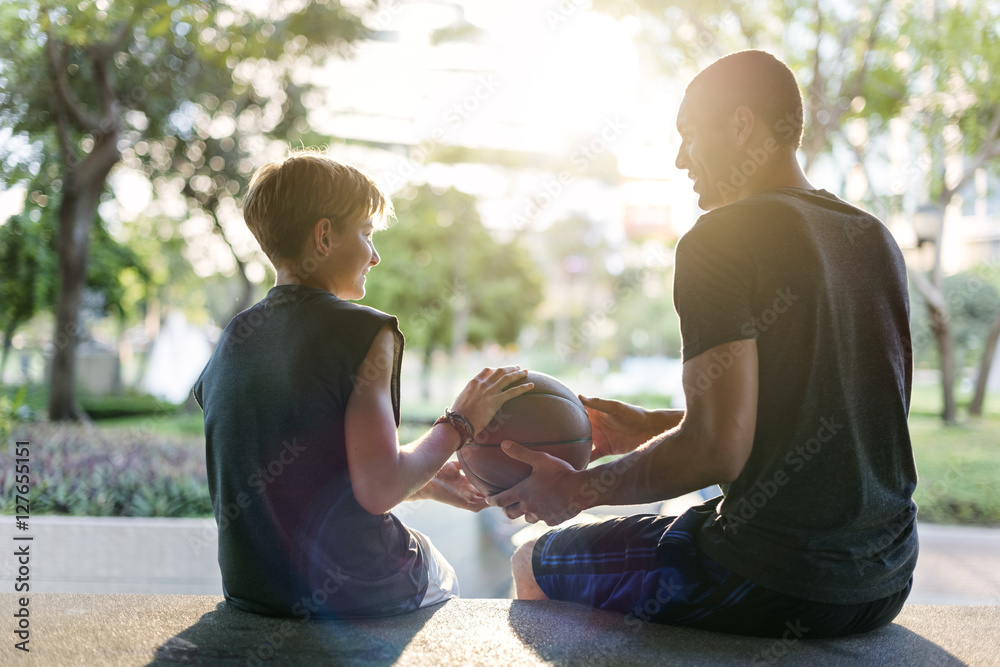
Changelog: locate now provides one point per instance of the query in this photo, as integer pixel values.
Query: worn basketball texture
(549, 418)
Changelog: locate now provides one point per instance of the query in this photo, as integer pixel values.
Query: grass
(958, 469)
(958, 466)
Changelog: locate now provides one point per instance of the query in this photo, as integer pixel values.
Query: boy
(301, 402)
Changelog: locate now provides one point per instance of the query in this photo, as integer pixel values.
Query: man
(794, 314)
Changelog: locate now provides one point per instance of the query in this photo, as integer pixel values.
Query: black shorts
(650, 568)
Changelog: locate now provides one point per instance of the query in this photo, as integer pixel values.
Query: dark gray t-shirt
(293, 540)
(822, 510)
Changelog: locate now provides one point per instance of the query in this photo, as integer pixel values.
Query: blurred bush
(9, 409)
(127, 405)
(29, 401)
(80, 470)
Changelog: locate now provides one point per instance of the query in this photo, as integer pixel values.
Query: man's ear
(743, 124)
(322, 236)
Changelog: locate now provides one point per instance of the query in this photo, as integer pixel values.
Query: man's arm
(710, 446)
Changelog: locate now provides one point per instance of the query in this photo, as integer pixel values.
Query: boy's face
(353, 255)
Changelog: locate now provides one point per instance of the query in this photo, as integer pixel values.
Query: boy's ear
(322, 236)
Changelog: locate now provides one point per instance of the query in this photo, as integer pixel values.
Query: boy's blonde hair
(286, 198)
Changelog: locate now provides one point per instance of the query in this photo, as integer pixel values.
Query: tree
(956, 108)
(94, 77)
(861, 66)
(28, 271)
(577, 268)
(990, 342)
(841, 52)
(447, 280)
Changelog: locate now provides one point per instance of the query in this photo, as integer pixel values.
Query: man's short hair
(758, 80)
(287, 197)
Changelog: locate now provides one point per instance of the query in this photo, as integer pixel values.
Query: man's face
(705, 152)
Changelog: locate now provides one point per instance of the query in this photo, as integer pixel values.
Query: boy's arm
(382, 474)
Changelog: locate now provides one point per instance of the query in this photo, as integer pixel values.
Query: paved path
(957, 565)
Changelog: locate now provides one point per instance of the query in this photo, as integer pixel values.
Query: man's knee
(524, 575)
(520, 562)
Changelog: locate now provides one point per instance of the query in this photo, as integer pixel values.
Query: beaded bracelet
(461, 425)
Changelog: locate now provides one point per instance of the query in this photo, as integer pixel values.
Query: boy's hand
(485, 393)
(451, 487)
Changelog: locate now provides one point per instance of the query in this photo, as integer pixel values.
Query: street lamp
(925, 223)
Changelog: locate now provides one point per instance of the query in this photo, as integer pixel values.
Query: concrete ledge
(78, 629)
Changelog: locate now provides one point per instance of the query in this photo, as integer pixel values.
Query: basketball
(549, 418)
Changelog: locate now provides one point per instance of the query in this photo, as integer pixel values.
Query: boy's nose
(375, 257)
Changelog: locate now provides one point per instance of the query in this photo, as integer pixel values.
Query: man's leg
(650, 568)
(525, 586)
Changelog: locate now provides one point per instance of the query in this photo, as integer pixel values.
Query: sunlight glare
(586, 75)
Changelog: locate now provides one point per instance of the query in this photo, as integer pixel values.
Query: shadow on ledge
(230, 636)
(569, 634)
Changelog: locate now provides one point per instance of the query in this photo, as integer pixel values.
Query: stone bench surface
(78, 629)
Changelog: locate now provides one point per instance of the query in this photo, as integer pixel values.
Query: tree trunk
(985, 365)
(82, 189)
(245, 299)
(932, 289)
(425, 373)
(941, 326)
(8, 336)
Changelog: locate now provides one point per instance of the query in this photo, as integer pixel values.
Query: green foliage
(179, 92)
(129, 405)
(647, 323)
(960, 48)
(27, 275)
(9, 408)
(31, 398)
(973, 302)
(608, 316)
(438, 261)
(85, 471)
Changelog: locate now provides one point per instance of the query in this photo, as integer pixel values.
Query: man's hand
(451, 487)
(618, 428)
(552, 493)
